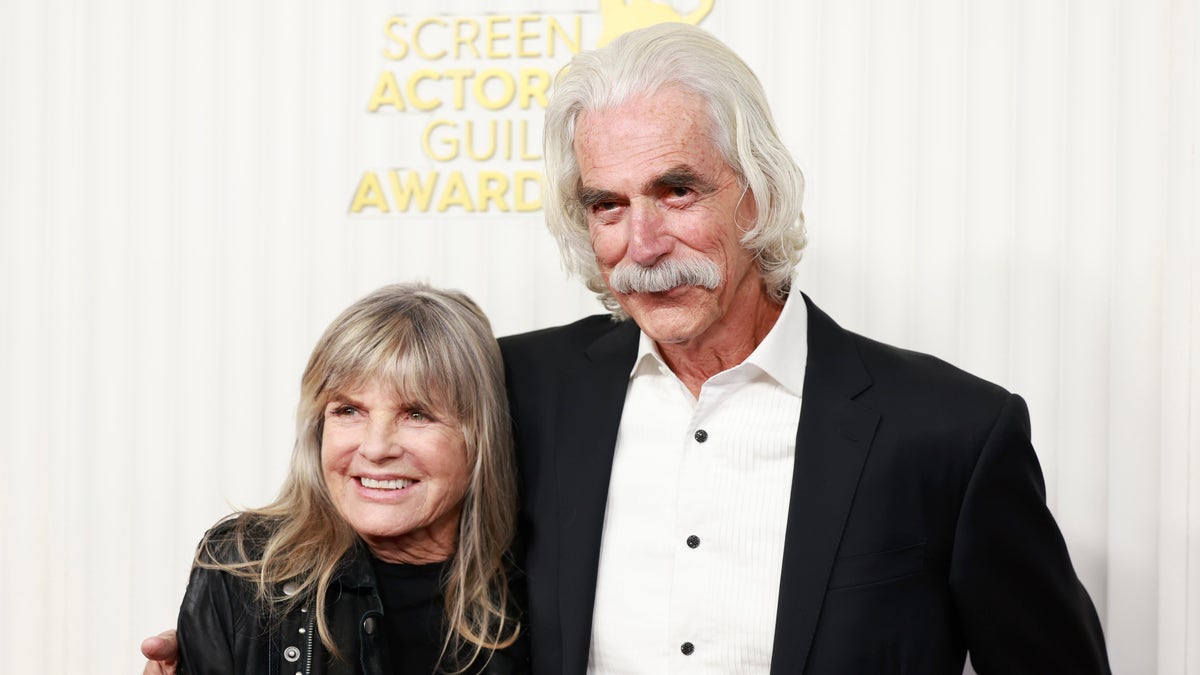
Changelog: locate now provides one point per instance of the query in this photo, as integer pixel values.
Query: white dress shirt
(697, 509)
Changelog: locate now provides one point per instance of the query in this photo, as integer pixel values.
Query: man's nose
(649, 240)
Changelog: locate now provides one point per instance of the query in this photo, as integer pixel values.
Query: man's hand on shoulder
(162, 651)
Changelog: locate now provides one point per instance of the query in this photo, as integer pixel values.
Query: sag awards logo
(466, 95)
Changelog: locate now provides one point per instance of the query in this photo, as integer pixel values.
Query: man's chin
(664, 321)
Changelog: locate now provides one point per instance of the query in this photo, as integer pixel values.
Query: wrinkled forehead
(636, 150)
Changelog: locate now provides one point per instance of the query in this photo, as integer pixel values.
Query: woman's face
(396, 473)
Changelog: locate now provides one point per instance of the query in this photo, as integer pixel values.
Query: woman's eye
(417, 415)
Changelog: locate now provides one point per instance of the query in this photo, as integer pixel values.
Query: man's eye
(680, 191)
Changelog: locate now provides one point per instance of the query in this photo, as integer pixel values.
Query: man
(730, 482)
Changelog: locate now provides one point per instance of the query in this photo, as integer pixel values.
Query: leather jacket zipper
(309, 648)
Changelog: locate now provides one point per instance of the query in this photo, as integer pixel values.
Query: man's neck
(724, 346)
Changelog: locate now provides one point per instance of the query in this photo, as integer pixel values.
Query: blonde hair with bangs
(434, 348)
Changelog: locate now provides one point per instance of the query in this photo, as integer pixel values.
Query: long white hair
(677, 55)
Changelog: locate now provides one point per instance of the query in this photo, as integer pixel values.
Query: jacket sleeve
(215, 622)
(1022, 608)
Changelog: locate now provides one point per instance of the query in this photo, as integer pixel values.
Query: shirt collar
(782, 354)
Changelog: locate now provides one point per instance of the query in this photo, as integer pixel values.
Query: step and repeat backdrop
(191, 191)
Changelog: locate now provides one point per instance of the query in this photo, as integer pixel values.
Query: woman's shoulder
(221, 623)
(238, 538)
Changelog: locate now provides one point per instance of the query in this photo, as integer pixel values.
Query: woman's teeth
(397, 484)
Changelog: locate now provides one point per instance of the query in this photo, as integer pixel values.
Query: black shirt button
(701, 435)
(687, 648)
(693, 541)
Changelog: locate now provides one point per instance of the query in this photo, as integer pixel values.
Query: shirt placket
(693, 635)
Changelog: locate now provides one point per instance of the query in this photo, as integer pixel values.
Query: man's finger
(162, 651)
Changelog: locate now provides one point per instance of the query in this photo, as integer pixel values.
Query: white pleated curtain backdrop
(1011, 185)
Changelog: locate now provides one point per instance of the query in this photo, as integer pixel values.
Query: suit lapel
(832, 441)
(593, 397)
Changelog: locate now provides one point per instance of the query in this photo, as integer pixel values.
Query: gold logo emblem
(622, 16)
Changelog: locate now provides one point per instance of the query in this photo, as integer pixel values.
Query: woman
(384, 552)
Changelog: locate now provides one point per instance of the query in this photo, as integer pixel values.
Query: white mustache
(629, 277)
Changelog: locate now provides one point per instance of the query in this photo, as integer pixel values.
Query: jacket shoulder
(862, 367)
(927, 402)
(220, 622)
(238, 538)
(573, 336)
(895, 367)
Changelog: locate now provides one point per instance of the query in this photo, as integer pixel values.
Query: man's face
(655, 187)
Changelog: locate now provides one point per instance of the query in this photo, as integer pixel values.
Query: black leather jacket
(223, 630)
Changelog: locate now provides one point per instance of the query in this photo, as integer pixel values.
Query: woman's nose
(381, 440)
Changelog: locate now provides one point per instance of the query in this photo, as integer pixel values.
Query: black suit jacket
(917, 527)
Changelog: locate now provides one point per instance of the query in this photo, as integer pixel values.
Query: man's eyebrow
(677, 176)
(682, 176)
(589, 197)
